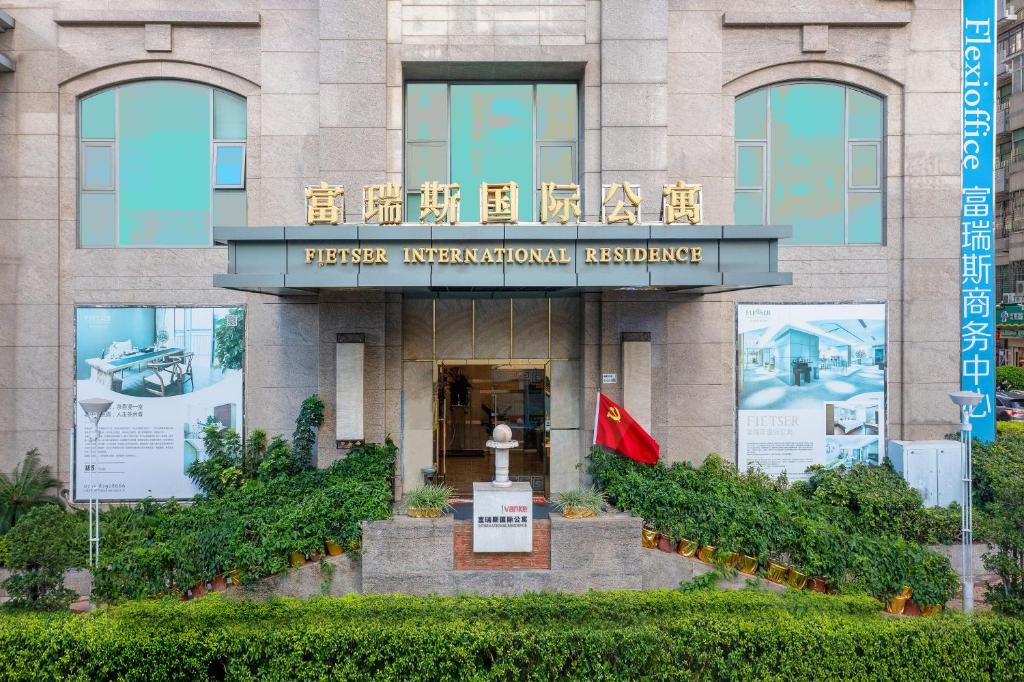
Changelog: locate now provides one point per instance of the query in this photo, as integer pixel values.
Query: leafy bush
(24, 489)
(1009, 428)
(999, 473)
(430, 496)
(45, 543)
(601, 636)
(159, 549)
(752, 514)
(229, 348)
(223, 451)
(880, 501)
(1010, 376)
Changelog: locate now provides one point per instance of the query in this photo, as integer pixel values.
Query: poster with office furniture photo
(811, 386)
(148, 381)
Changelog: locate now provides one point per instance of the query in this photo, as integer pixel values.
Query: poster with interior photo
(810, 386)
(148, 381)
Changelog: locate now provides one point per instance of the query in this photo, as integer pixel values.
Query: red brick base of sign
(467, 560)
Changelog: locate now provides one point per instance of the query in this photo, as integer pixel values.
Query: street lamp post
(965, 401)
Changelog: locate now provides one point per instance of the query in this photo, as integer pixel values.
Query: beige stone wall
(323, 82)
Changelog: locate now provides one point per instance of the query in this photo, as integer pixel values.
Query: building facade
(1009, 181)
(158, 158)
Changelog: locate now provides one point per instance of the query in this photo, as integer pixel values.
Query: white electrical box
(932, 467)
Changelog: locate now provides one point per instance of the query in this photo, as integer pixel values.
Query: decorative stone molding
(762, 19)
(158, 38)
(143, 17)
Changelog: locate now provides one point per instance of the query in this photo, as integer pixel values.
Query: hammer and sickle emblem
(613, 414)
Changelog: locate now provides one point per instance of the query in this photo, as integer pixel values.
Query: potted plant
(581, 503)
(161, 338)
(688, 548)
(666, 543)
(707, 553)
(818, 584)
(459, 389)
(796, 579)
(898, 603)
(296, 559)
(429, 501)
(333, 548)
(649, 537)
(777, 570)
(727, 558)
(219, 583)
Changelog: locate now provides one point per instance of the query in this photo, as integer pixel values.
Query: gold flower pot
(728, 559)
(906, 592)
(777, 572)
(687, 547)
(707, 554)
(796, 579)
(932, 610)
(236, 576)
(649, 538)
(896, 605)
(578, 513)
(296, 559)
(748, 564)
(424, 512)
(333, 548)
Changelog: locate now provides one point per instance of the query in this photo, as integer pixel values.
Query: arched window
(810, 155)
(160, 162)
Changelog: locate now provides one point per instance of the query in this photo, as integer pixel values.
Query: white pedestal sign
(502, 518)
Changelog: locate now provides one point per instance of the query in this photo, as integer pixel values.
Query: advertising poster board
(148, 380)
(811, 386)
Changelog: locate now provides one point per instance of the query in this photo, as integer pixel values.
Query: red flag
(617, 431)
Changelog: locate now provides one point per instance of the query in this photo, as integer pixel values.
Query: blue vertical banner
(977, 211)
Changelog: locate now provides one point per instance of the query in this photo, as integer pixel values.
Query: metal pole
(966, 554)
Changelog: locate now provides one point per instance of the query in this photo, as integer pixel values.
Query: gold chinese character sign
(499, 202)
(383, 203)
(620, 213)
(321, 207)
(559, 202)
(681, 201)
(440, 202)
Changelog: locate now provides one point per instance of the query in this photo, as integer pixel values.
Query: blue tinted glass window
(149, 165)
(230, 167)
(815, 149)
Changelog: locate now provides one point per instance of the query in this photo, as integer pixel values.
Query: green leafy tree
(25, 488)
(1005, 522)
(223, 452)
(230, 340)
(309, 421)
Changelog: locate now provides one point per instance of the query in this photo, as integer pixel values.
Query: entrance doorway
(472, 398)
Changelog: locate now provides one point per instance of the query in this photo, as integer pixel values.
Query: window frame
(576, 145)
(881, 163)
(216, 146)
(114, 143)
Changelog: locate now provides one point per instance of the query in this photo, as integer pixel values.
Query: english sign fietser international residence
(501, 255)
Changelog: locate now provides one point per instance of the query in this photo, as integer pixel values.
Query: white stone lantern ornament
(501, 442)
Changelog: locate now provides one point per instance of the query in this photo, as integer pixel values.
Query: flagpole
(597, 411)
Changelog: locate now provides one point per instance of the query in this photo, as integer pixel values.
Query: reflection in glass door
(474, 398)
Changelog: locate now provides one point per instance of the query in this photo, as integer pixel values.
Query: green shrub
(4, 544)
(1012, 377)
(1009, 428)
(602, 636)
(45, 543)
(157, 549)
(755, 515)
(1005, 529)
(880, 501)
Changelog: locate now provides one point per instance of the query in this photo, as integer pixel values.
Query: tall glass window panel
(810, 155)
(470, 133)
(154, 159)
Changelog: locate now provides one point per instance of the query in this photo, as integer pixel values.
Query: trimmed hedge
(599, 636)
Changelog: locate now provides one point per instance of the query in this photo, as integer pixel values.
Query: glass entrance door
(474, 398)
